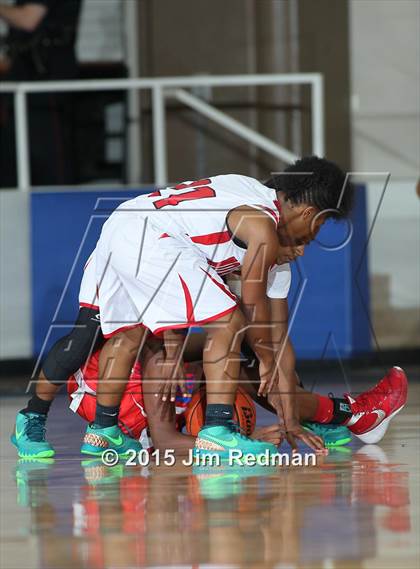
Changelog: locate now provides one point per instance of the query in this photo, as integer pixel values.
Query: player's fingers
(292, 442)
(166, 410)
(272, 428)
(160, 389)
(182, 383)
(314, 442)
(157, 388)
(271, 431)
(262, 390)
(166, 392)
(273, 439)
(173, 390)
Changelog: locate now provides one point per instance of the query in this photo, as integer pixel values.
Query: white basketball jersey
(196, 213)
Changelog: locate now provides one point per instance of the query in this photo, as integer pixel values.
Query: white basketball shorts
(138, 276)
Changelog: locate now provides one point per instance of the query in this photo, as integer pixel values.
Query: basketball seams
(244, 412)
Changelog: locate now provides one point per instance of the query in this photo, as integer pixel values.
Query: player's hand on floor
(270, 434)
(294, 434)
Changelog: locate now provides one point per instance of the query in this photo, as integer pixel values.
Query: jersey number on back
(200, 191)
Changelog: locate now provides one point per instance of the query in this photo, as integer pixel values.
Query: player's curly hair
(316, 182)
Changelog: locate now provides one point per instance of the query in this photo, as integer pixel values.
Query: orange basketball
(244, 412)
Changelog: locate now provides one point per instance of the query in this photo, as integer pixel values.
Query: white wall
(15, 276)
(385, 79)
(395, 242)
(385, 59)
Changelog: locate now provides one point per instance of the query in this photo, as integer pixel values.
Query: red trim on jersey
(197, 183)
(86, 305)
(164, 235)
(123, 328)
(197, 322)
(231, 262)
(226, 271)
(131, 417)
(221, 286)
(278, 206)
(212, 238)
(188, 301)
(270, 212)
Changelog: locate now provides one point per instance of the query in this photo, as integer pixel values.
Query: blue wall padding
(329, 299)
(65, 229)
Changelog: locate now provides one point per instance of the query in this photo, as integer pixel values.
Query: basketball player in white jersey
(159, 265)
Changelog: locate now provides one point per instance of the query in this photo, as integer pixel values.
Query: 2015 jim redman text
(233, 457)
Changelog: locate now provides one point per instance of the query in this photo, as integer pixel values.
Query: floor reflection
(89, 515)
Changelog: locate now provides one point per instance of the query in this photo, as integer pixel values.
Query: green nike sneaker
(332, 435)
(29, 436)
(221, 441)
(97, 439)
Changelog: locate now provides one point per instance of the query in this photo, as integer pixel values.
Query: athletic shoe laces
(35, 428)
(370, 400)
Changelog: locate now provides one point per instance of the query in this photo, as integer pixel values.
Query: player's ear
(308, 213)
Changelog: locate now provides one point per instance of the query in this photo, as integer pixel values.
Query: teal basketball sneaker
(332, 435)
(29, 436)
(98, 439)
(221, 440)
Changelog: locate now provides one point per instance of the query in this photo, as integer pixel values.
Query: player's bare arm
(258, 232)
(161, 418)
(173, 375)
(285, 403)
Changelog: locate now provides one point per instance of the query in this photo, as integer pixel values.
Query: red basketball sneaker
(373, 409)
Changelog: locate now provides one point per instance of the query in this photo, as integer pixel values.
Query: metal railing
(175, 87)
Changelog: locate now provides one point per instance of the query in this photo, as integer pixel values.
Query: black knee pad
(70, 352)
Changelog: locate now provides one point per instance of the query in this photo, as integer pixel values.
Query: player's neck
(282, 207)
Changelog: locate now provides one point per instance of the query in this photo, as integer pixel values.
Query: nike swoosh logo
(18, 434)
(380, 417)
(117, 441)
(233, 442)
